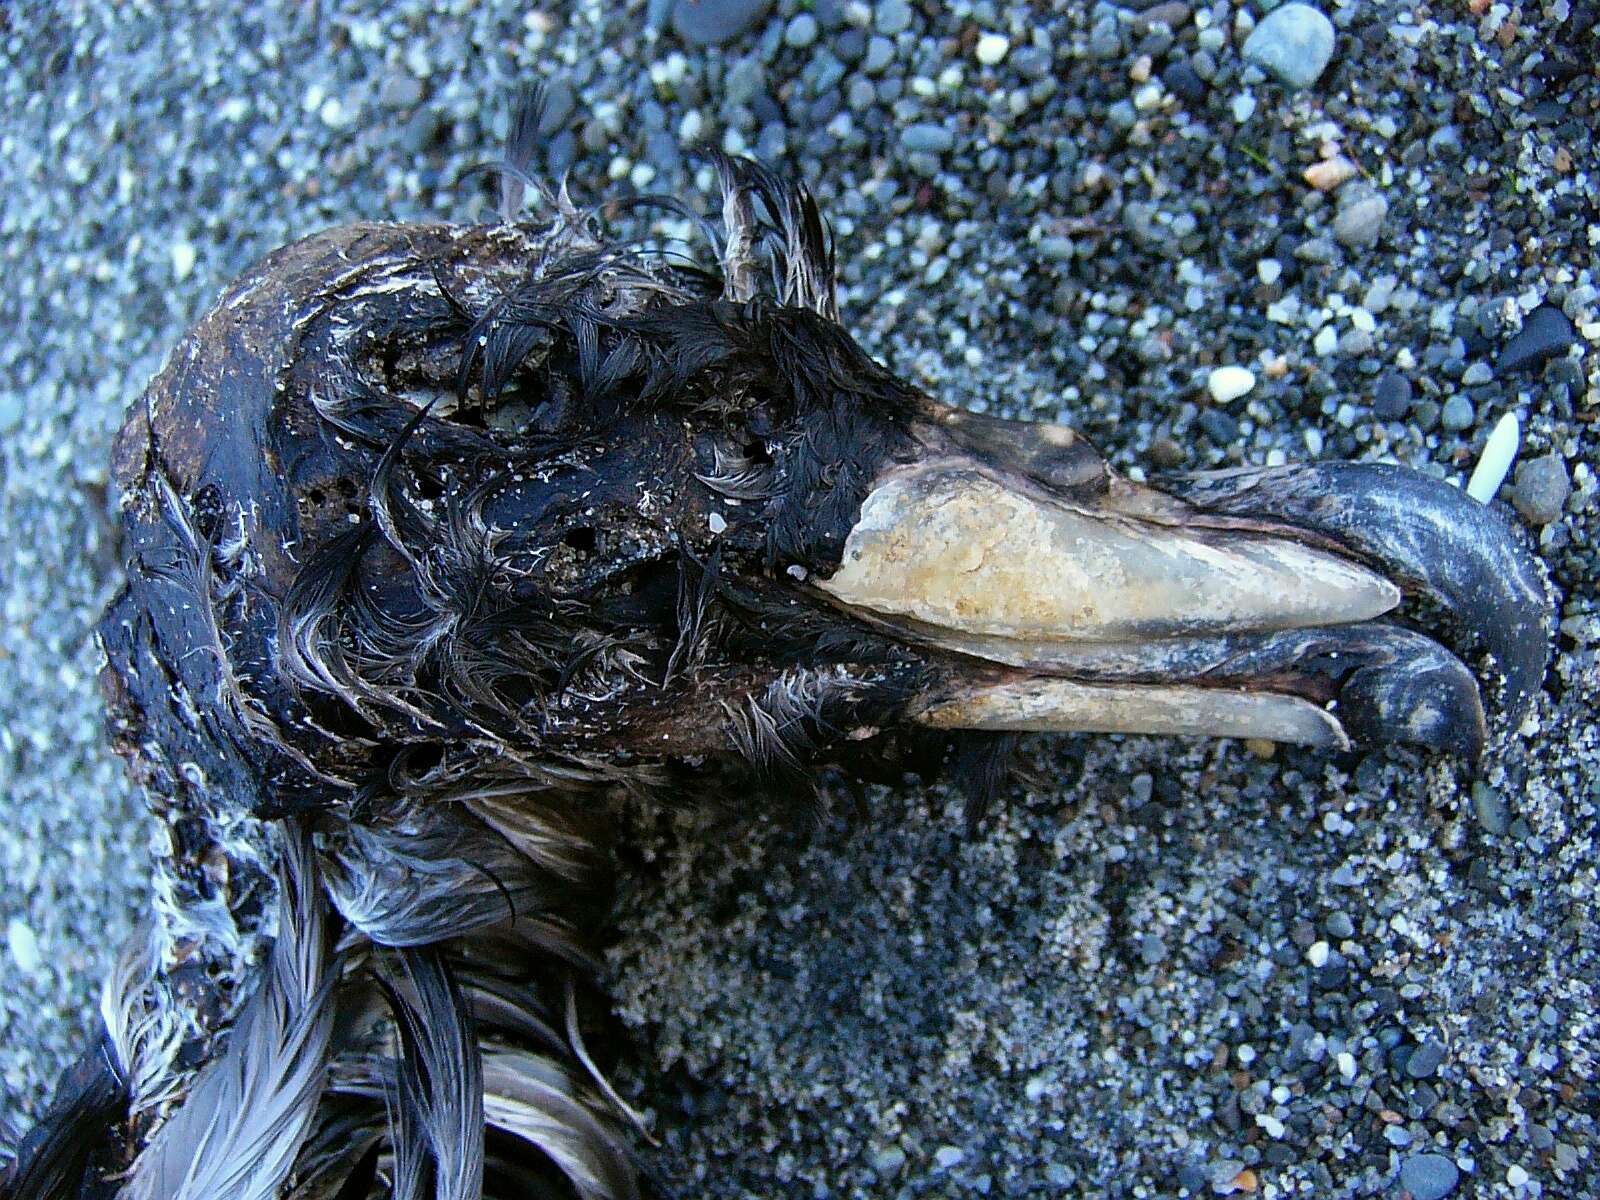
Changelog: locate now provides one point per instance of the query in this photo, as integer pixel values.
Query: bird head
(417, 506)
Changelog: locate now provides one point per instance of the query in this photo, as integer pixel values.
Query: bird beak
(1261, 603)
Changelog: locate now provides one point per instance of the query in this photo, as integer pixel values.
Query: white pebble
(1243, 106)
(717, 523)
(1269, 270)
(1495, 462)
(1516, 1176)
(183, 259)
(992, 48)
(1270, 1124)
(24, 946)
(1229, 383)
(1346, 1063)
(1317, 955)
(1325, 341)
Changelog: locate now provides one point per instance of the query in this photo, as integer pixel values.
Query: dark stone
(713, 22)
(1219, 427)
(1425, 1060)
(850, 45)
(1183, 82)
(1545, 333)
(1391, 396)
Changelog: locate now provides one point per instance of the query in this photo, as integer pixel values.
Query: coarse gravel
(1159, 968)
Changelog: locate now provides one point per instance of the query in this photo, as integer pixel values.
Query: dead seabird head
(436, 536)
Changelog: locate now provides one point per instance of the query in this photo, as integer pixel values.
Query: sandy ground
(1159, 966)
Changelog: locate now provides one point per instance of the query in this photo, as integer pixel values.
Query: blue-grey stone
(880, 53)
(927, 138)
(1360, 219)
(1293, 43)
(1542, 488)
(1425, 1060)
(713, 22)
(1219, 426)
(1457, 413)
(893, 16)
(801, 31)
(1477, 373)
(1429, 1176)
(1391, 396)
(1545, 333)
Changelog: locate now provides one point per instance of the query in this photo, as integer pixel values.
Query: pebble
(1542, 488)
(1269, 271)
(1219, 426)
(1329, 173)
(1490, 809)
(1476, 374)
(948, 1156)
(1545, 333)
(992, 49)
(183, 260)
(401, 90)
(801, 31)
(889, 1161)
(24, 946)
(714, 22)
(880, 53)
(1293, 43)
(927, 138)
(1391, 396)
(1457, 413)
(1243, 107)
(1326, 341)
(1360, 220)
(1184, 82)
(893, 16)
(1425, 1060)
(1429, 1176)
(1229, 383)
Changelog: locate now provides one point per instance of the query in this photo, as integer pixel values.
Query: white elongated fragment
(1495, 462)
(1045, 705)
(953, 549)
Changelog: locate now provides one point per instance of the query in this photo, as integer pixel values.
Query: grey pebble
(1219, 426)
(1429, 1176)
(1445, 142)
(880, 53)
(801, 31)
(886, 1163)
(1293, 43)
(744, 81)
(1477, 373)
(1184, 82)
(1541, 489)
(927, 138)
(1340, 926)
(1359, 221)
(1425, 1060)
(1391, 396)
(401, 90)
(1457, 413)
(1545, 333)
(1490, 809)
(714, 22)
(893, 16)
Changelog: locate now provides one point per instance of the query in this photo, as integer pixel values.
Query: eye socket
(581, 538)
